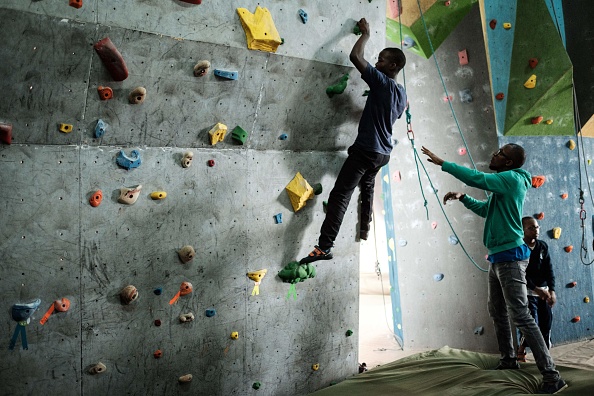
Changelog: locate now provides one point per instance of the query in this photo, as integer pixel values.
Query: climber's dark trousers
(360, 168)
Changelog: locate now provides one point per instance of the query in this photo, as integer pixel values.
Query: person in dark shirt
(540, 282)
(371, 150)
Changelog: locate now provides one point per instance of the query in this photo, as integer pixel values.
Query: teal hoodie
(503, 208)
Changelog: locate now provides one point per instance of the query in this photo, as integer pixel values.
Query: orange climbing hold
(576, 319)
(538, 181)
(75, 3)
(539, 216)
(105, 93)
(96, 198)
(572, 284)
(568, 249)
(185, 289)
(564, 196)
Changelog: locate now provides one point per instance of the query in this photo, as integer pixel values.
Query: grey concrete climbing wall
(447, 312)
(56, 245)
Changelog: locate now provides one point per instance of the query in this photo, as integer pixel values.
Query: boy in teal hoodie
(508, 254)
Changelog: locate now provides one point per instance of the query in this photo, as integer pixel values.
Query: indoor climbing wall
(443, 295)
(131, 217)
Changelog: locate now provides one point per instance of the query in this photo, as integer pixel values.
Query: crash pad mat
(449, 371)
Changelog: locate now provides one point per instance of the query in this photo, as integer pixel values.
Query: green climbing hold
(356, 30)
(349, 333)
(365, 93)
(317, 188)
(339, 87)
(256, 385)
(295, 272)
(239, 134)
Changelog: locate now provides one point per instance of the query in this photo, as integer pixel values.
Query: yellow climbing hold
(315, 367)
(571, 144)
(158, 195)
(549, 121)
(557, 232)
(217, 133)
(506, 25)
(531, 82)
(589, 162)
(234, 335)
(260, 32)
(66, 128)
(299, 191)
(257, 277)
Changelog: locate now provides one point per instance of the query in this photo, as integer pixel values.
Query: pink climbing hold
(397, 176)
(462, 151)
(434, 225)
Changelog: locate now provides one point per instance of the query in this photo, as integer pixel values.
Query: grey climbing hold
(402, 242)
(465, 96)
(479, 330)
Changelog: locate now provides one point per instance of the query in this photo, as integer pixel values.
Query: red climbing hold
(211, 163)
(568, 249)
(193, 1)
(6, 133)
(536, 120)
(576, 319)
(75, 3)
(532, 62)
(105, 93)
(538, 181)
(493, 23)
(572, 284)
(500, 96)
(463, 57)
(112, 59)
(539, 216)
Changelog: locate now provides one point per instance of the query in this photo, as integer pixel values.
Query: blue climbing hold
(22, 312)
(283, 136)
(453, 240)
(129, 162)
(438, 277)
(211, 312)
(465, 95)
(303, 15)
(100, 129)
(229, 75)
(278, 218)
(158, 291)
(408, 42)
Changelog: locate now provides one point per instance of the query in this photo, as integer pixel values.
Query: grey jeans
(508, 297)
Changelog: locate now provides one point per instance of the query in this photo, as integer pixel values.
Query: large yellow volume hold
(299, 191)
(260, 32)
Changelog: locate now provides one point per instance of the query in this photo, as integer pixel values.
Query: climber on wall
(371, 150)
(508, 254)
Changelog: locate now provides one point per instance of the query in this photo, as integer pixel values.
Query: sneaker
(317, 254)
(363, 234)
(551, 388)
(507, 366)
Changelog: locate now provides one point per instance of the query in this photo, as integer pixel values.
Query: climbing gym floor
(446, 371)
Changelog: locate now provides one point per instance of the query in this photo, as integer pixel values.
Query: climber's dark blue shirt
(385, 104)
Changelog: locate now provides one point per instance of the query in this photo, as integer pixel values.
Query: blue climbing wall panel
(499, 45)
(391, 245)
